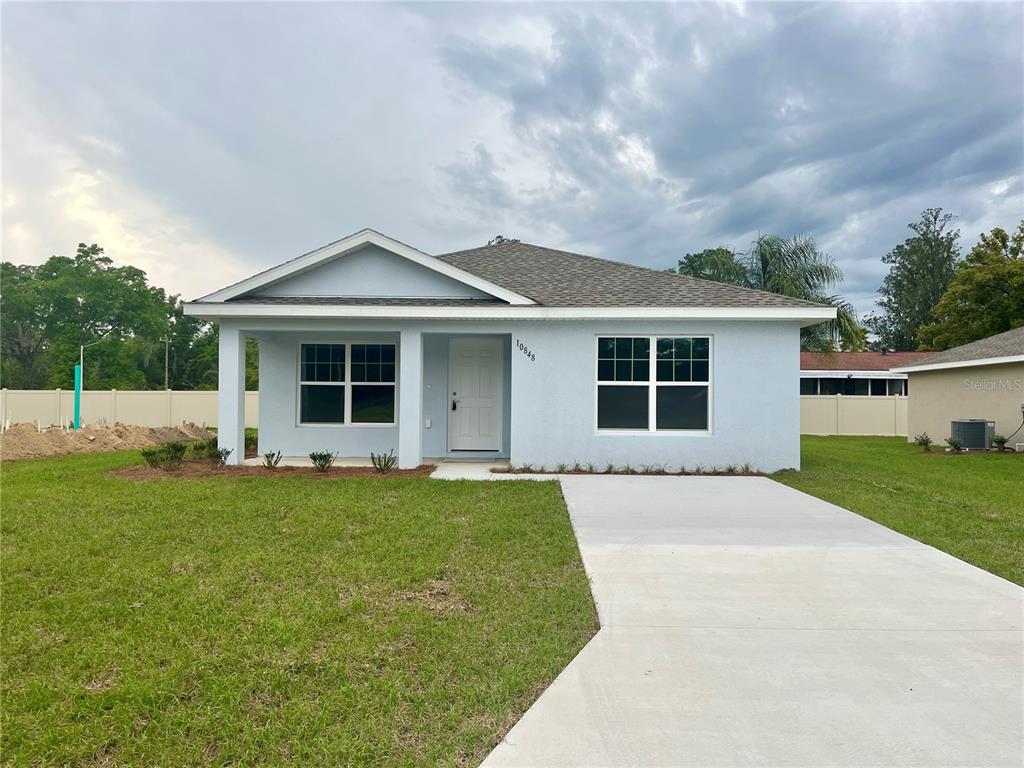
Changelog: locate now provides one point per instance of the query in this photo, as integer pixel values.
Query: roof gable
(294, 276)
(1006, 347)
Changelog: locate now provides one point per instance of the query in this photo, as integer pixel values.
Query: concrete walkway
(747, 624)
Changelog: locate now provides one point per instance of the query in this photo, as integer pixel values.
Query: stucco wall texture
(994, 392)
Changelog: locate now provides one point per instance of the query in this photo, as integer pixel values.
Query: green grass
(969, 505)
(284, 621)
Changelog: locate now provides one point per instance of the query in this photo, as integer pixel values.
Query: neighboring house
(980, 380)
(509, 351)
(855, 373)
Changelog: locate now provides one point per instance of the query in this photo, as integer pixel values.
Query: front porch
(370, 389)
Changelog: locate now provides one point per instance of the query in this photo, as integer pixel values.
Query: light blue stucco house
(509, 351)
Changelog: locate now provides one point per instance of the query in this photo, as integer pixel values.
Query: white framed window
(653, 383)
(347, 384)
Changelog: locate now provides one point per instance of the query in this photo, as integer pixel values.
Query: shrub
(322, 460)
(167, 456)
(746, 468)
(609, 469)
(271, 459)
(204, 449)
(924, 441)
(730, 469)
(251, 438)
(591, 468)
(220, 458)
(562, 467)
(999, 442)
(955, 446)
(577, 467)
(384, 462)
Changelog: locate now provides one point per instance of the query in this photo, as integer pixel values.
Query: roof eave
(982, 361)
(217, 309)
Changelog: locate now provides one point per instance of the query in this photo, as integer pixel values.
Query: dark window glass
(641, 370)
(373, 371)
(808, 386)
(606, 370)
(373, 353)
(701, 349)
(896, 386)
(877, 386)
(606, 348)
(358, 353)
(387, 353)
(622, 407)
(831, 386)
(624, 347)
(665, 370)
(623, 370)
(856, 387)
(323, 362)
(387, 371)
(682, 369)
(682, 407)
(322, 404)
(682, 349)
(700, 370)
(665, 349)
(358, 371)
(679, 354)
(373, 404)
(641, 349)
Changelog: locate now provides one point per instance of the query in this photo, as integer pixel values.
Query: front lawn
(970, 505)
(280, 621)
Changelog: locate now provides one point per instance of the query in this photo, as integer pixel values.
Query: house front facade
(509, 351)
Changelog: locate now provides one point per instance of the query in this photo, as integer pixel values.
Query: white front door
(474, 394)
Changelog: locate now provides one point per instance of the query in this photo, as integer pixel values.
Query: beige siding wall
(853, 415)
(52, 407)
(992, 392)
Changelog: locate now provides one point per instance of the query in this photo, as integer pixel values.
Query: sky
(205, 142)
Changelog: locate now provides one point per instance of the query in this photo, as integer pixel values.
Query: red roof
(858, 361)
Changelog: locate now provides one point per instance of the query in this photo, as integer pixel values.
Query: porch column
(410, 400)
(231, 393)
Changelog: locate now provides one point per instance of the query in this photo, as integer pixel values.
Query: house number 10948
(526, 351)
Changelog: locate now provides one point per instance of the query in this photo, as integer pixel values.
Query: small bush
(999, 442)
(220, 458)
(609, 469)
(955, 446)
(167, 456)
(204, 449)
(322, 460)
(251, 438)
(562, 467)
(924, 441)
(271, 459)
(153, 456)
(730, 469)
(746, 468)
(591, 468)
(384, 462)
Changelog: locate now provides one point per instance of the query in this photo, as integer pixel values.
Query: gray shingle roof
(1006, 344)
(564, 279)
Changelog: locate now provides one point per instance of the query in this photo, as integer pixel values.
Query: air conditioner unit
(973, 434)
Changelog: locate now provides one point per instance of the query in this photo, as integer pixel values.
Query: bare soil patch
(203, 468)
(24, 441)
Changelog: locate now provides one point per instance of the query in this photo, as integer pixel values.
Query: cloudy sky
(205, 142)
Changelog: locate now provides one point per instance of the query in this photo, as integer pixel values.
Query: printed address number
(526, 351)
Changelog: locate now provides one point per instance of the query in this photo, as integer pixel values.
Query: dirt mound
(24, 441)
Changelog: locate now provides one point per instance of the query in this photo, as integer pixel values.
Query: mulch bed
(200, 468)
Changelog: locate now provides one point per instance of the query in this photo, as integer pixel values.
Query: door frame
(499, 342)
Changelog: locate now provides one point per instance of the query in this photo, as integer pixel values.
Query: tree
(985, 297)
(500, 239)
(792, 266)
(920, 270)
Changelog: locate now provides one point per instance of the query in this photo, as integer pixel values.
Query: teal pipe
(78, 397)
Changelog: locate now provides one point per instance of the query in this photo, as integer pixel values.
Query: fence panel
(853, 415)
(157, 408)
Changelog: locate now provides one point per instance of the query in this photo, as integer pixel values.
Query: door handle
(455, 406)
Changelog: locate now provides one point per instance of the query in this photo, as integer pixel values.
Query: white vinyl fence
(819, 414)
(158, 408)
(853, 415)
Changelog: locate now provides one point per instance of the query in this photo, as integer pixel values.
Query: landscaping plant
(271, 459)
(955, 446)
(384, 462)
(167, 456)
(999, 442)
(924, 441)
(220, 458)
(322, 460)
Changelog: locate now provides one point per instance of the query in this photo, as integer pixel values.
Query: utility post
(167, 354)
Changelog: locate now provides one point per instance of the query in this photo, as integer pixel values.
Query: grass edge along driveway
(380, 621)
(970, 505)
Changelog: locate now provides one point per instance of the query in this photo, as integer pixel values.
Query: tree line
(931, 299)
(48, 310)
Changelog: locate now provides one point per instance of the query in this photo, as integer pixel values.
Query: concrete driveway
(745, 623)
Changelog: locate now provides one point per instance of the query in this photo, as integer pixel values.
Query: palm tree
(791, 266)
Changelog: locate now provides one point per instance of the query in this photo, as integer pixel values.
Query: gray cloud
(639, 132)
